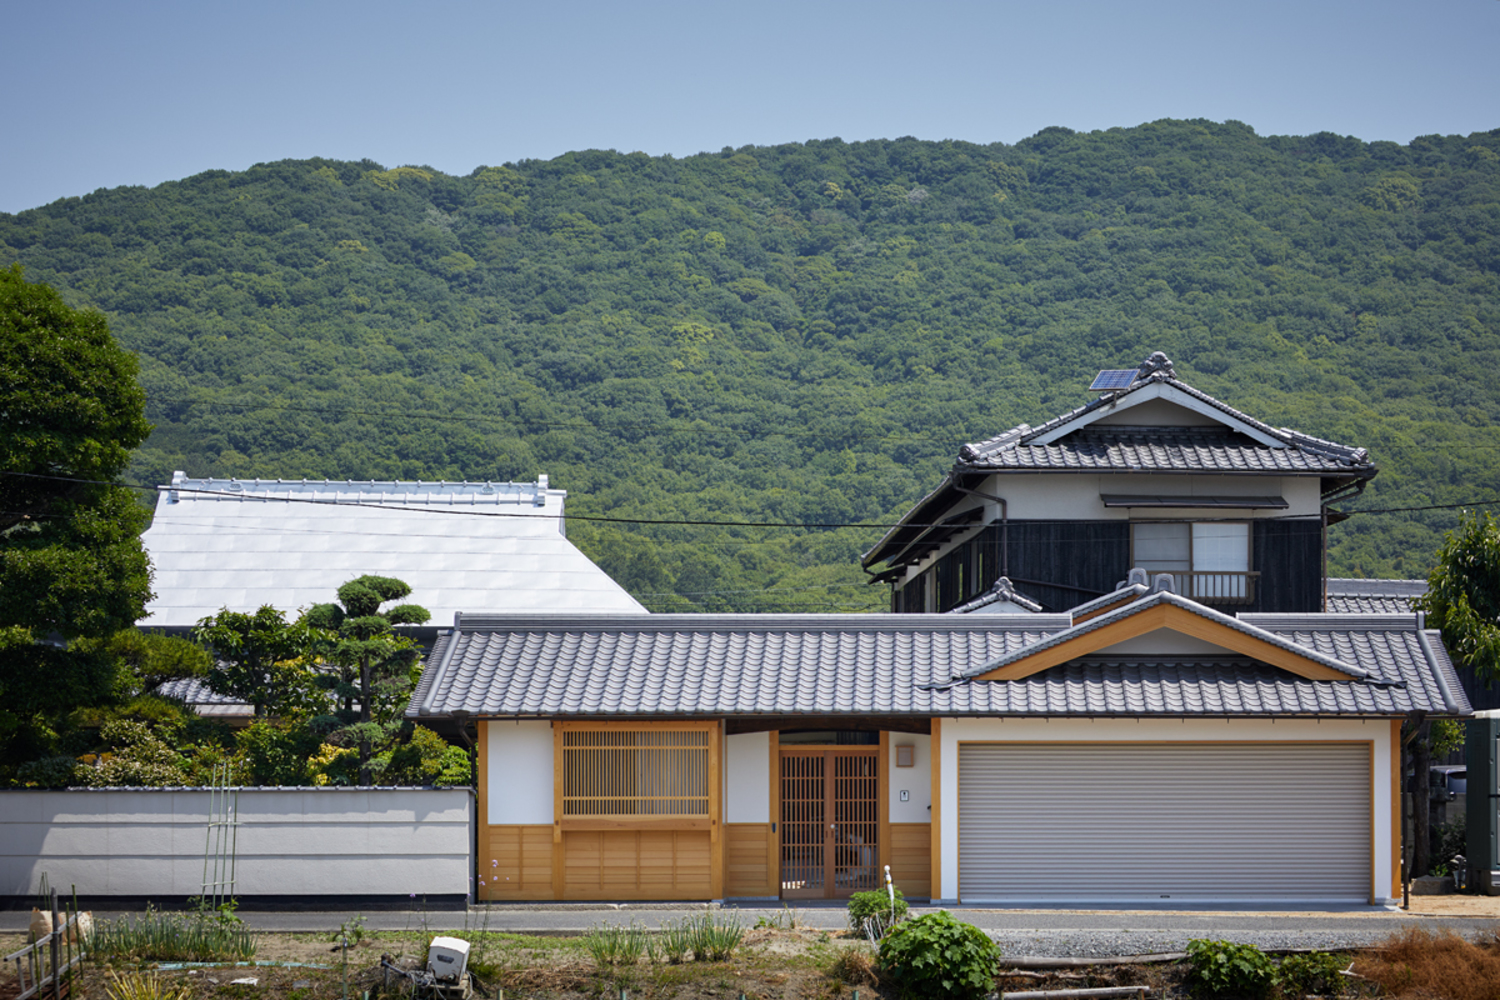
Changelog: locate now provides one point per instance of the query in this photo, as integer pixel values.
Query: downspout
(1341, 493)
(1323, 518)
(1004, 525)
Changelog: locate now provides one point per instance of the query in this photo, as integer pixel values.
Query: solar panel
(1113, 378)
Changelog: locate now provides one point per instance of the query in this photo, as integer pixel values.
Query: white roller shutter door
(1153, 822)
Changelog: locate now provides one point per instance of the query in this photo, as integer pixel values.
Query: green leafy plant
(936, 956)
(612, 946)
(145, 986)
(173, 937)
(1315, 972)
(865, 907)
(785, 919)
(1228, 969)
(706, 938)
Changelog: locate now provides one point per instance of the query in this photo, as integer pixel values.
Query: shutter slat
(1147, 822)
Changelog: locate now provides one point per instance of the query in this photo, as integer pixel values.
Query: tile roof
(1119, 448)
(240, 544)
(1351, 596)
(1078, 442)
(1337, 456)
(1001, 592)
(1344, 666)
(745, 665)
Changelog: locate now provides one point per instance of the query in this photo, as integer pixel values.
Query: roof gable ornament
(1163, 609)
(1157, 364)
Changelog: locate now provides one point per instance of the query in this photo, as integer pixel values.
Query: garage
(1158, 822)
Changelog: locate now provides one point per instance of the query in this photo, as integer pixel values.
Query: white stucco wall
(518, 772)
(916, 780)
(747, 784)
(290, 841)
(955, 731)
(1077, 496)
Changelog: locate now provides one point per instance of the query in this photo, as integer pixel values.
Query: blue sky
(102, 94)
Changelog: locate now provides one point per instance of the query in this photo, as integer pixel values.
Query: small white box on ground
(448, 958)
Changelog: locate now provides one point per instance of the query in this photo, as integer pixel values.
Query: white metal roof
(470, 547)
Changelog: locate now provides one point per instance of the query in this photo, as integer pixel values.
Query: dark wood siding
(1062, 564)
(1289, 557)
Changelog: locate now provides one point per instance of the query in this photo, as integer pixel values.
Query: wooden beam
(775, 741)
(559, 855)
(937, 809)
(716, 811)
(597, 823)
(481, 808)
(883, 803)
(1395, 761)
(1173, 618)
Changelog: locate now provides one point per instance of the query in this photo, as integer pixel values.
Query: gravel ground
(1110, 944)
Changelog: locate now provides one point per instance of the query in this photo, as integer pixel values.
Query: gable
(1170, 403)
(1156, 413)
(1180, 626)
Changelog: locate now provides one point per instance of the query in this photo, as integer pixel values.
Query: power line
(689, 522)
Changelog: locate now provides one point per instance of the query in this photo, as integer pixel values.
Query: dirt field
(771, 963)
(797, 964)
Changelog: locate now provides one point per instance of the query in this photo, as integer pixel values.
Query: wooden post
(936, 891)
(56, 980)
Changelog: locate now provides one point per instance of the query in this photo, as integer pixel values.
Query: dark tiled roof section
(711, 665)
(194, 691)
(1117, 448)
(1373, 597)
(1368, 604)
(992, 452)
(1174, 687)
(1351, 667)
(738, 665)
(1387, 645)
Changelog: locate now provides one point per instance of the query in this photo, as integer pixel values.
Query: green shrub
(935, 956)
(615, 946)
(865, 906)
(1315, 972)
(214, 936)
(1226, 969)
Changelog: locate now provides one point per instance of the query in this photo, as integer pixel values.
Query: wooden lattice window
(629, 772)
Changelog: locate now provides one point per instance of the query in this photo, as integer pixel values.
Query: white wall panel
(747, 790)
(519, 773)
(308, 841)
(916, 780)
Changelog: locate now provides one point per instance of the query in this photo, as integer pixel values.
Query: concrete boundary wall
(311, 848)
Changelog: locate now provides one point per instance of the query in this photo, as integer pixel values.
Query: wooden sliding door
(830, 823)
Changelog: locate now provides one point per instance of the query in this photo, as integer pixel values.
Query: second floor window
(1210, 561)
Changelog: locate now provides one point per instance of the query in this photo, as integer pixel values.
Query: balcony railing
(1217, 586)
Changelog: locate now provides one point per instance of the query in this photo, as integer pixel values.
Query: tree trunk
(1421, 808)
(364, 716)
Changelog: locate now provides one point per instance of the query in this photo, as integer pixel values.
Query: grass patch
(172, 937)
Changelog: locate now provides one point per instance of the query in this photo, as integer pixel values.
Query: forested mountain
(800, 334)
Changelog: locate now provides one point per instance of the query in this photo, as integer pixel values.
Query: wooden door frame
(880, 754)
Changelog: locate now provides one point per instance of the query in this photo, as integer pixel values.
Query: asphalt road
(553, 918)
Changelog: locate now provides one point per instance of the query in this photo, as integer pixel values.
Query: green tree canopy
(259, 658)
(375, 666)
(1463, 594)
(71, 562)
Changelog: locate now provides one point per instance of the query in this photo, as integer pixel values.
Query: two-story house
(1152, 474)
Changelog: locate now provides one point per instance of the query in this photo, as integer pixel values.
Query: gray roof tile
(718, 665)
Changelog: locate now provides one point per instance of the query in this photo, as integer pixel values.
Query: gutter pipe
(1004, 524)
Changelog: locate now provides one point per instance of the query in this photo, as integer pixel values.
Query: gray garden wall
(309, 848)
